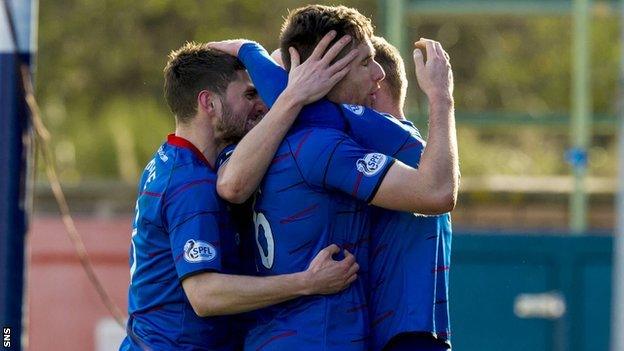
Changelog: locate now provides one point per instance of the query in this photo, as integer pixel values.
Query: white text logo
(198, 251)
(371, 164)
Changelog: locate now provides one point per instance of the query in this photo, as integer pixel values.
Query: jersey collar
(175, 140)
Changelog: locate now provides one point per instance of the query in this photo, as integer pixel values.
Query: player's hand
(328, 276)
(311, 80)
(230, 47)
(277, 56)
(435, 77)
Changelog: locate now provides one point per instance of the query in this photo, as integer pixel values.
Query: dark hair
(191, 69)
(306, 26)
(390, 60)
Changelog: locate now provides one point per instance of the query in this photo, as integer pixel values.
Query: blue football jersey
(181, 228)
(408, 273)
(410, 253)
(313, 195)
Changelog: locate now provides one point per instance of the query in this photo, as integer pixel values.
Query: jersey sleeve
(269, 78)
(411, 151)
(335, 162)
(384, 133)
(193, 224)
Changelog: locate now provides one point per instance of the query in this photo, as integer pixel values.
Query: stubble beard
(229, 129)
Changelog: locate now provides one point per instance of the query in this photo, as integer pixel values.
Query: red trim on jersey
(300, 214)
(356, 186)
(186, 186)
(440, 269)
(280, 158)
(150, 193)
(303, 140)
(175, 140)
(381, 318)
(409, 146)
(278, 336)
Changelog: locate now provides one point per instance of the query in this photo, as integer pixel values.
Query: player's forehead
(365, 49)
(240, 84)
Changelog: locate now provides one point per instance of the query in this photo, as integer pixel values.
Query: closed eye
(251, 94)
(367, 60)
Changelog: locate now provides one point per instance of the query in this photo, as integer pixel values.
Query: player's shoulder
(352, 109)
(310, 141)
(312, 148)
(190, 179)
(311, 136)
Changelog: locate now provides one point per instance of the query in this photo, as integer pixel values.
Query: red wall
(63, 307)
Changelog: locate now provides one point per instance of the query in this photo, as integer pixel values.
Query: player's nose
(261, 108)
(378, 72)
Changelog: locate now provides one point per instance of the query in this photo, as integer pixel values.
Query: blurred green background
(99, 83)
(99, 80)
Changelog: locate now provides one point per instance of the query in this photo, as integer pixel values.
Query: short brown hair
(306, 26)
(193, 68)
(390, 60)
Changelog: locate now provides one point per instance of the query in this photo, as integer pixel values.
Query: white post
(617, 280)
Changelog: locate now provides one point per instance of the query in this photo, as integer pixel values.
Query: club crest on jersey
(198, 251)
(371, 163)
(357, 109)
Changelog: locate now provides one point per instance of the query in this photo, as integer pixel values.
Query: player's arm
(198, 246)
(307, 82)
(432, 188)
(213, 294)
(269, 78)
(341, 164)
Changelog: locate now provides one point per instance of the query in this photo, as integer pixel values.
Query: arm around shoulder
(413, 190)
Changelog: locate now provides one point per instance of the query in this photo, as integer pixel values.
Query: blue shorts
(416, 342)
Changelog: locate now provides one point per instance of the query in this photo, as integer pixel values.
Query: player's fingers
(337, 77)
(330, 250)
(353, 269)
(277, 56)
(431, 51)
(343, 62)
(348, 259)
(419, 61)
(321, 47)
(351, 279)
(423, 48)
(295, 60)
(331, 54)
(439, 49)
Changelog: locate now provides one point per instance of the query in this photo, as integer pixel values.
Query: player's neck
(392, 109)
(396, 112)
(386, 104)
(201, 138)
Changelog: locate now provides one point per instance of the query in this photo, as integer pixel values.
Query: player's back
(307, 201)
(161, 256)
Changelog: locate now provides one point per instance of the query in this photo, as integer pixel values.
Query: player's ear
(205, 101)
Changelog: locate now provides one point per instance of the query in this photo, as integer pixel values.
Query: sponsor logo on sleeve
(199, 251)
(357, 109)
(371, 163)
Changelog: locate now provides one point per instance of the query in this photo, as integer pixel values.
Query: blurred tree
(100, 63)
